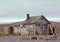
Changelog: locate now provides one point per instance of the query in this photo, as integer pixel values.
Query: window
(41, 18)
(45, 26)
(41, 27)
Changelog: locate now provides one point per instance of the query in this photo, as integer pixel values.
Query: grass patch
(9, 34)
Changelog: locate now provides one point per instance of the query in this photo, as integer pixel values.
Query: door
(53, 30)
(11, 30)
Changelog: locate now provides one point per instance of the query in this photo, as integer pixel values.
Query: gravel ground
(17, 39)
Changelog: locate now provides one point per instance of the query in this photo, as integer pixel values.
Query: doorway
(11, 30)
(53, 30)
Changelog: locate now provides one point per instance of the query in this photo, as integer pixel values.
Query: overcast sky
(16, 10)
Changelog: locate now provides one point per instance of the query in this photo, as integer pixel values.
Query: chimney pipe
(28, 16)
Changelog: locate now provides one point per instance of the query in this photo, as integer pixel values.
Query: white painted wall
(6, 30)
(24, 31)
(16, 30)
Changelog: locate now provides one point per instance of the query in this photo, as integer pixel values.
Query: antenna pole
(42, 9)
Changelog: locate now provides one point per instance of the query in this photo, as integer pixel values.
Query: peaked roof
(34, 19)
